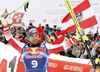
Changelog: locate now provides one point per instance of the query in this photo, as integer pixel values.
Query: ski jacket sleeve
(60, 47)
(16, 44)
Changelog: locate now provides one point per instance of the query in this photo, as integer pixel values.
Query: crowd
(77, 50)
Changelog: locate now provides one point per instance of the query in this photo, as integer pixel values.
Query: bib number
(34, 64)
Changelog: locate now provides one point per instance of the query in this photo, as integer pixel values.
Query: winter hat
(31, 31)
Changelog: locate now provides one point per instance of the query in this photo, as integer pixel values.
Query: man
(34, 54)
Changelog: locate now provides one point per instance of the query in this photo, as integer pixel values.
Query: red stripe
(6, 30)
(59, 40)
(81, 7)
(55, 50)
(70, 42)
(84, 24)
(15, 45)
(7, 33)
(73, 39)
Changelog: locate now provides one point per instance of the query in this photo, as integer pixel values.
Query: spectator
(9, 25)
(39, 24)
(69, 52)
(98, 52)
(13, 34)
(30, 25)
(1, 31)
(23, 26)
(98, 38)
(42, 27)
(53, 36)
(79, 51)
(92, 47)
(1, 27)
(58, 29)
(2, 38)
(54, 30)
(90, 36)
(97, 49)
(54, 27)
(50, 30)
(47, 28)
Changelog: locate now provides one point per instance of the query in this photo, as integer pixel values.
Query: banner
(58, 65)
(8, 58)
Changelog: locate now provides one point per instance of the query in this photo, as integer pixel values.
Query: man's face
(34, 38)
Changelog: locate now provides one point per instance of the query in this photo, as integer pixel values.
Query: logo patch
(79, 17)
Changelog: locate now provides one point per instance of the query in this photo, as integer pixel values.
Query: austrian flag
(84, 15)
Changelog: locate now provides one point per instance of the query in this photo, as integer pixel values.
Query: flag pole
(84, 39)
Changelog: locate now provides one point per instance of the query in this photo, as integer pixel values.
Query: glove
(77, 36)
(6, 17)
(85, 38)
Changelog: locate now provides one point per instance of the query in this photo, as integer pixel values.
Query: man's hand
(6, 17)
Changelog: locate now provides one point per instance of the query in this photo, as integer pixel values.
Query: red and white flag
(17, 18)
(85, 17)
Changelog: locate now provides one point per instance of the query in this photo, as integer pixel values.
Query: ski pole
(18, 8)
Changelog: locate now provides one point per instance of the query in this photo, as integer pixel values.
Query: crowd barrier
(58, 63)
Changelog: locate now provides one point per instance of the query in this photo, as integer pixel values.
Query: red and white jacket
(52, 48)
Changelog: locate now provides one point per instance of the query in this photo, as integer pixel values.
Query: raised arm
(16, 44)
(60, 47)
